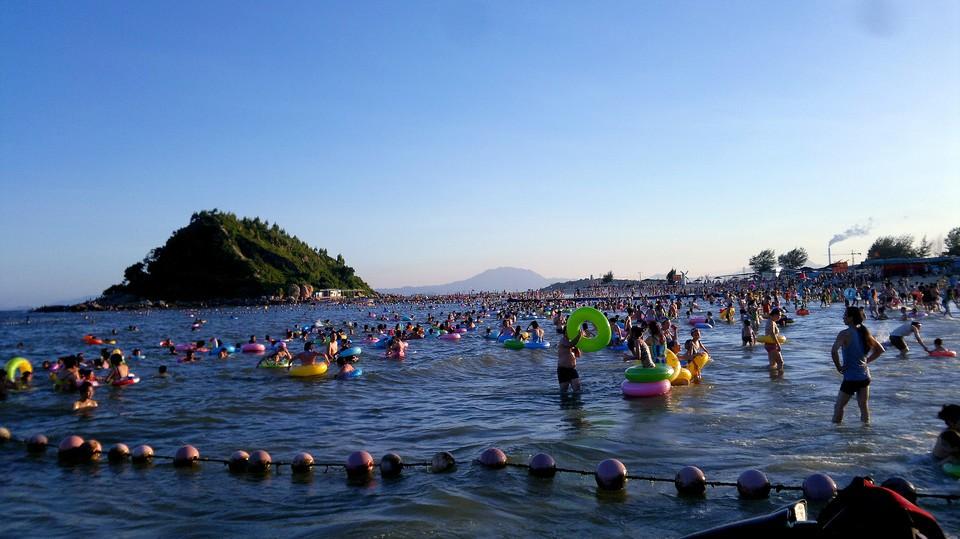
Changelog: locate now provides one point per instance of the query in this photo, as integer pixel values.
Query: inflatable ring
(639, 373)
(803, 312)
(683, 378)
(355, 373)
(951, 468)
(253, 348)
(701, 360)
(17, 364)
(600, 322)
(127, 380)
(537, 345)
(702, 325)
(767, 339)
(944, 353)
(350, 352)
(644, 389)
(513, 344)
(306, 371)
(450, 336)
(674, 362)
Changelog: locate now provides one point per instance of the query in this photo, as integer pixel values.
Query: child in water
(346, 367)
(709, 319)
(86, 398)
(567, 354)
(748, 337)
(948, 443)
(938, 346)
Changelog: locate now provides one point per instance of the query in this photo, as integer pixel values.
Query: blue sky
(428, 141)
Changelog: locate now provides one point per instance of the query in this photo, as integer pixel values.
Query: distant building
(905, 267)
(328, 293)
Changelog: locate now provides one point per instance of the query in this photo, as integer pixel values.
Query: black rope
(949, 498)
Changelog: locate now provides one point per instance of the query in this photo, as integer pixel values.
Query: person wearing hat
(897, 335)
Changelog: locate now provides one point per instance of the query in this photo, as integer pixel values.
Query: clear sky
(428, 141)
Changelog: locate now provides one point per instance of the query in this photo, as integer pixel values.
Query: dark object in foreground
(863, 509)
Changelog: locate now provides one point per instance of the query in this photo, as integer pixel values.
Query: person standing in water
(567, 354)
(859, 348)
(772, 332)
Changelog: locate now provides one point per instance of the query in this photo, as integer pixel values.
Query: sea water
(461, 397)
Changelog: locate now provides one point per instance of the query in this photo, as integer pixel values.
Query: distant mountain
(498, 279)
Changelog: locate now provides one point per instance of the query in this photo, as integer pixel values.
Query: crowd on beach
(643, 324)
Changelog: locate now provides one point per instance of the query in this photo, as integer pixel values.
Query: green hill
(220, 256)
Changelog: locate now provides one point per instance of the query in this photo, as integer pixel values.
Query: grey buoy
(90, 451)
(611, 474)
(690, 481)
(238, 461)
(5, 435)
(186, 456)
(142, 454)
(302, 462)
(391, 465)
(819, 487)
(118, 453)
(70, 449)
(902, 487)
(37, 444)
(493, 458)
(543, 465)
(443, 462)
(753, 485)
(260, 462)
(359, 465)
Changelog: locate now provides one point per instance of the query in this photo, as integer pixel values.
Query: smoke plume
(852, 232)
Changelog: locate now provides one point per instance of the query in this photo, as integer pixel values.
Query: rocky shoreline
(135, 304)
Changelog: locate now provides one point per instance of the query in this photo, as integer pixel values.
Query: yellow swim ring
(305, 371)
(767, 339)
(684, 377)
(17, 364)
(674, 362)
(700, 360)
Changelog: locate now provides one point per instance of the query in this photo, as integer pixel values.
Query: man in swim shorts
(567, 354)
(897, 335)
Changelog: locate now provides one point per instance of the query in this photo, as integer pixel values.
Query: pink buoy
(611, 474)
(493, 458)
(819, 487)
(186, 456)
(302, 462)
(690, 481)
(118, 453)
(142, 454)
(391, 465)
(37, 443)
(753, 485)
(359, 465)
(260, 462)
(238, 461)
(69, 449)
(543, 465)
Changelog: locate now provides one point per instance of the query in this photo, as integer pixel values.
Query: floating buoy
(238, 461)
(819, 487)
(443, 462)
(611, 474)
(302, 462)
(753, 485)
(5, 435)
(902, 487)
(260, 462)
(690, 481)
(391, 465)
(69, 450)
(543, 465)
(90, 451)
(118, 453)
(493, 458)
(359, 465)
(142, 454)
(37, 444)
(186, 456)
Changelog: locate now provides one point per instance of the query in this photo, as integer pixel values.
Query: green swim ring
(600, 322)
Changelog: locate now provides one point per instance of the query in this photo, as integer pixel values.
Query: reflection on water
(461, 397)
